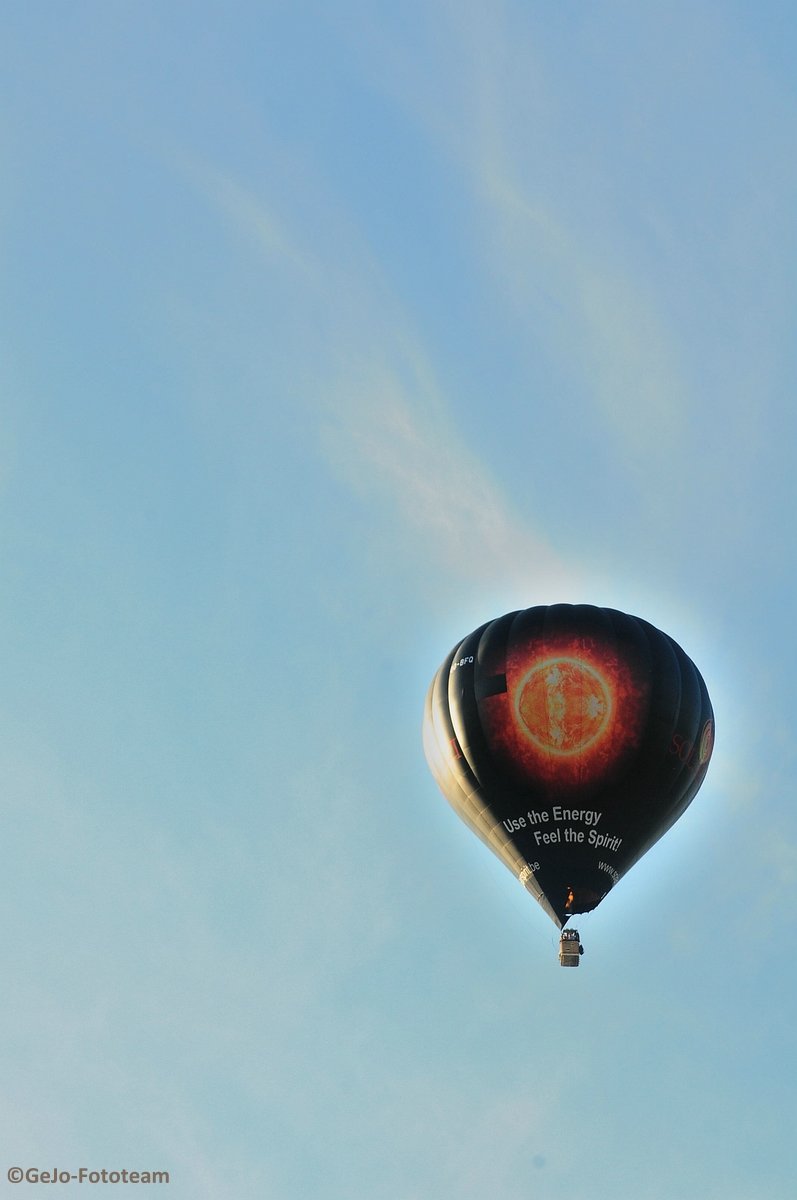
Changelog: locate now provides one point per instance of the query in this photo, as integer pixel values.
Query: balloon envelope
(569, 738)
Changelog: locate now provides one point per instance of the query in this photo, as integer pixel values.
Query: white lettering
(586, 816)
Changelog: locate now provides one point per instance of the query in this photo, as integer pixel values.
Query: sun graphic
(564, 705)
(570, 711)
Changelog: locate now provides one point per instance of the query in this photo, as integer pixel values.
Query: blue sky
(328, 333)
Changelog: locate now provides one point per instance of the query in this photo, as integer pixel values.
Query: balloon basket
(570, 948)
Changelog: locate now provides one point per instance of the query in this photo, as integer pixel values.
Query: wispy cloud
(621, 344)
(560, 261)
(385, 422)
(623, 265)
(395, 444)
(250, 215)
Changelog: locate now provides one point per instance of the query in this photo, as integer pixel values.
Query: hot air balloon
(569, 738)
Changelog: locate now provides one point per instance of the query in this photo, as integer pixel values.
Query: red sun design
(564, 705)
(572, 710)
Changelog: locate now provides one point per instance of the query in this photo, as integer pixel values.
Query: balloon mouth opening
(579, 900)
